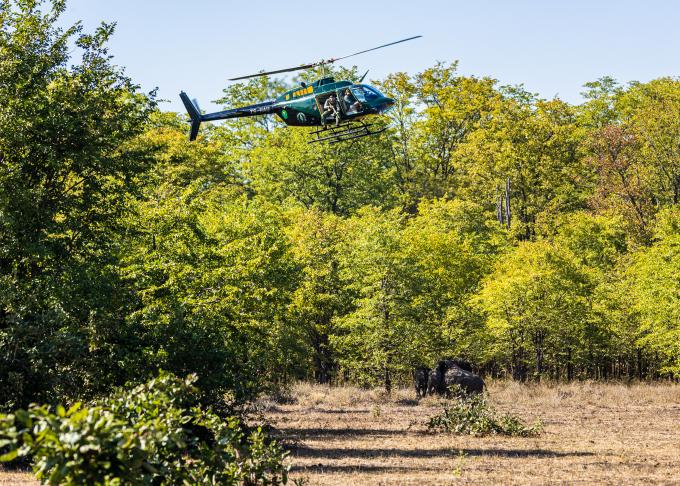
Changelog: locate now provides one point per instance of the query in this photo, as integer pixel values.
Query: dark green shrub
(154, 433)
(474, 416)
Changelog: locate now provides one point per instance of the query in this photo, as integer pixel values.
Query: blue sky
(551, 47)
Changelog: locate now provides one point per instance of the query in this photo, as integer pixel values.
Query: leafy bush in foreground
(474, 416)
(152, 434)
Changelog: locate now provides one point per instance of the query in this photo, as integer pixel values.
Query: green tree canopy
(69, 166)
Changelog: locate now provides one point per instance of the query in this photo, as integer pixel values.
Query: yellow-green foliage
(252, 257)
(151, 434)
(474, 415)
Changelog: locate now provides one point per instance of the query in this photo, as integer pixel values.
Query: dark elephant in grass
(450, 372)
(420, 379)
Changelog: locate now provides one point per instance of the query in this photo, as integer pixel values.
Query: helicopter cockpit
(355, 96)
(366, 93)
(352, 99)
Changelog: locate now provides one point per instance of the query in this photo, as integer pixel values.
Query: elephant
(459, 362)
(434, 382)
(451, 372)
(466, 380)
(420, 379)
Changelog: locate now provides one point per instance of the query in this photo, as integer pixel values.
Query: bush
(152, 434)
(474, 416)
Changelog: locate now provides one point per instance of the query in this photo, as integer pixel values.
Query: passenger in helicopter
(352, 105)
(330, 107)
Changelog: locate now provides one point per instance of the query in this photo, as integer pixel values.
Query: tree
(537, 144)
(634, 149)
(653, 112)
(320, 296)
(608, 337)
(600, 108)
(449, 246)
(69, 166)
(401, 88)
(338, 178)
(213, 288)
(621, 179)
(454, 108)
(536, 303)
(654, 278)
(373, 336)
(598, 241)
(210, 269)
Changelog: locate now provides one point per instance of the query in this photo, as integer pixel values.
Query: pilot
(352, 104)
(330, 107)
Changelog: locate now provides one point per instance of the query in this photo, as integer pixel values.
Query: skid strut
(346, 131)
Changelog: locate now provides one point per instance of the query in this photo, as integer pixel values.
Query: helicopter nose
(387, 104)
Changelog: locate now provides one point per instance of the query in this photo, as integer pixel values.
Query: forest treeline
(254, 258)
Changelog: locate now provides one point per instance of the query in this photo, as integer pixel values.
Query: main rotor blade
(286, 70)
(319, 63)
(379, 47)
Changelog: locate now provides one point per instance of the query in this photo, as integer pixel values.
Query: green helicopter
(337, 109)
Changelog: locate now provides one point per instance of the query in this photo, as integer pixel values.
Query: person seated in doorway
(352, 105)
(330, 107)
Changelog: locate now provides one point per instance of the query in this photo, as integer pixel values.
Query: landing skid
(345, 131)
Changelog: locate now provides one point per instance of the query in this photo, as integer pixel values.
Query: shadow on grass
(335, 453)
(321, 468)
(318, 432)
(408, 402)
(342, 410)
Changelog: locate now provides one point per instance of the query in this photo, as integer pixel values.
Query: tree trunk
(388, 380)
(639, 364)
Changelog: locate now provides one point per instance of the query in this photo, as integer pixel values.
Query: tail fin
(194, 114)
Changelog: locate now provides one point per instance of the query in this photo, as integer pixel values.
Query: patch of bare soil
(592, 434)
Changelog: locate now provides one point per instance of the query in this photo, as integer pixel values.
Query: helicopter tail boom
(194, 114)
(264, 108)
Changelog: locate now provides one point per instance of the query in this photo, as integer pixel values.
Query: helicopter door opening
(327, 114)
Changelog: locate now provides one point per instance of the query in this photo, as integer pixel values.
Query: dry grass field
(592, 434)
(13, 478)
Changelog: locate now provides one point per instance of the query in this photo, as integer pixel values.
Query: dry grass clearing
(15, 478)
(592, 434)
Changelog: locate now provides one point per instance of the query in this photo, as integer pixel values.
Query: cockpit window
(371, 93)
(366, 93)
(359, 93)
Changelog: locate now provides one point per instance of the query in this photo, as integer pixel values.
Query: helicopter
(304, 106)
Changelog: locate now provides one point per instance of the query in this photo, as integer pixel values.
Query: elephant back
(468, 381)
(457, 362)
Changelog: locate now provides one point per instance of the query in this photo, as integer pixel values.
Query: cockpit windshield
(366, 93)
(359, 93)
(371, 93)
